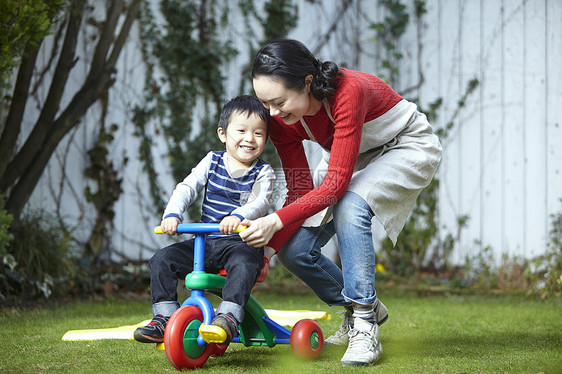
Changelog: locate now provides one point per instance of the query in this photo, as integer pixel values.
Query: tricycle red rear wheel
(307, 339)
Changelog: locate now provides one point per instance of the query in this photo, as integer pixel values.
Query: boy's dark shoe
(221, 330)
(153, 332)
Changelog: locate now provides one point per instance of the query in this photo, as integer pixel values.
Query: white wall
(502, 161)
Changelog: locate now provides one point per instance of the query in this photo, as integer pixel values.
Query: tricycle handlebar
(197, 228)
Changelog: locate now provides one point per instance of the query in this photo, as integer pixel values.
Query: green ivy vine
(420, 244)
(108, 191)
(186, 55)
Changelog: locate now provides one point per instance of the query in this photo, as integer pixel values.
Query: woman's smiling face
(290, 105)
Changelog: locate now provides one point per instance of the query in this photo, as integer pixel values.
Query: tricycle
(186, 348)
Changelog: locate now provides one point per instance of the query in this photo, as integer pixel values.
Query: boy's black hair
(244, 104)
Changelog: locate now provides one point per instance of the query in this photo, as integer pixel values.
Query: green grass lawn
(429, 334)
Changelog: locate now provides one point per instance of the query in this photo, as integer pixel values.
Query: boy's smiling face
(244, 138)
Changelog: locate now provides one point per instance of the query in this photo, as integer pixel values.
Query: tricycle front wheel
(180, 339)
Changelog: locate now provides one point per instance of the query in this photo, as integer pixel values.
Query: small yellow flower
(379, 268)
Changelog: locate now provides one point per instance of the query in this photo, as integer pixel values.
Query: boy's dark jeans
(242, 263)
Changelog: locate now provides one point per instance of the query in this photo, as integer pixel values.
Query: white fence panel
(502, 159)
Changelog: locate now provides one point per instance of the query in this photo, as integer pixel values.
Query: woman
(379, 152)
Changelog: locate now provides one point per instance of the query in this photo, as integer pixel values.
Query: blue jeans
(355, 282)
(242, 263)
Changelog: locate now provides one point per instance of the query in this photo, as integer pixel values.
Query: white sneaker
(341, 337)
(364, 346)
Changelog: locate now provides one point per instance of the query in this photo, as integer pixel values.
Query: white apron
(398, 157)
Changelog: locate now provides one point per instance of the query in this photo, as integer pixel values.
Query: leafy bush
(6, 260)
(417, 236)
(5, 236)
(39, 260)
(545, 272)
(540, 275)
(23, 24)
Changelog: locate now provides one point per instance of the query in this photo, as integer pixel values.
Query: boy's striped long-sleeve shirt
(245, 196)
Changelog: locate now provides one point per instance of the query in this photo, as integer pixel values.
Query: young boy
(237, 185)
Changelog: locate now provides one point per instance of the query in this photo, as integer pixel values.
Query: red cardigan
(359, 98)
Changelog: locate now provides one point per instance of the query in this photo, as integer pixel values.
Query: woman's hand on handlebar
(170, 225)
(260, 231)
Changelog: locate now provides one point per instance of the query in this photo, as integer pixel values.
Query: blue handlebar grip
(197, 228)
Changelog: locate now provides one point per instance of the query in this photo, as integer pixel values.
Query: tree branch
(66, 121)
(96, 84)
(12, 126)
(54, 53)
(124, 33)
(26, 155)
(106, 38)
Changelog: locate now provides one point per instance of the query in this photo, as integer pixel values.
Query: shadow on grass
(239, 359)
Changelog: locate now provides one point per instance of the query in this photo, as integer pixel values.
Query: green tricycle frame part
(253, 330)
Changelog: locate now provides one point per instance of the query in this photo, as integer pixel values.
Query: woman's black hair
(244, 104)
(291, 62)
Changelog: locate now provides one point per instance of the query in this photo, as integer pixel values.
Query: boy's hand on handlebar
(229, 224)
(170, 225)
